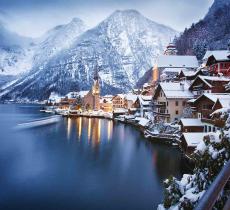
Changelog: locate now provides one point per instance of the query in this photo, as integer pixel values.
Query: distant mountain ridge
(213, 32)
(124, 47)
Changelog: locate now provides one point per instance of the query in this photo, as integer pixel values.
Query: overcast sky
(35, 17)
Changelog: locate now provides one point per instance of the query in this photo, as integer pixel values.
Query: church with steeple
(92, 99)
(96, 91)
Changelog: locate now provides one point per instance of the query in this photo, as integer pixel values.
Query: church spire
(96, 87)
(96, 76)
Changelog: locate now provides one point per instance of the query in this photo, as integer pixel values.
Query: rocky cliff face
(124, 47)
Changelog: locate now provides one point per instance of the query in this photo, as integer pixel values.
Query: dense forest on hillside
(210, 33)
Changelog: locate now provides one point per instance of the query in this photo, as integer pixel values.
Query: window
(177, 103)
(184, 103)
(167, 103)
(177, 112)
(214, 129)
(209, 128)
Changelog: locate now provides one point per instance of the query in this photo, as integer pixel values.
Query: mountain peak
(77, 20)
(127, 12)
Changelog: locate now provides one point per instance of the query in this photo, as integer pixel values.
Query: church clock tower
(96, 90)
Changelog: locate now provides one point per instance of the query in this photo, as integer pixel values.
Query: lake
(81, 163)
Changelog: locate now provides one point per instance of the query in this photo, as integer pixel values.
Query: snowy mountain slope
(18, 55)
(57, 39)
(124, 47)
(14, 53)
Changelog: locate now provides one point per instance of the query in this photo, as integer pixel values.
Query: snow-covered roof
(208, 79)
(146, 85)
(191, 122)
(142, 121)
(172, 70)
(55, 97)
(224, 101)
(177, 61)
(193, 139)
(187, 72)
(108, 96)
(176, 90)
(120, 95)
(83, 93)
(215, 78)
(145, 100)
(221, 111)
(214, 96)
(218, 54)
(72, 94)
(131, 97)
(191, 100)
(120, 110)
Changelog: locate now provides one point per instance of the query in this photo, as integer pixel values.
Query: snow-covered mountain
(57, 39)
(14, 54)
(18, 55)
(124, 46)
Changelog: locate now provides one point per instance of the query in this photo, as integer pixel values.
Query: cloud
(34, 17)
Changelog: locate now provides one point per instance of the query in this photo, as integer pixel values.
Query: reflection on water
(89, 129)
(69, 125)
(61, 166)
(92, 127)
(110, 129)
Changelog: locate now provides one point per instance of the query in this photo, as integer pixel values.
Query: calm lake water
(80, 163)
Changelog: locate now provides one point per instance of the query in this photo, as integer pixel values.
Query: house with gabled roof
(206, 104)
(173, 64)
(218, 62)
(143, 104)
(118, 101)
(185, 74)
(209, 84)
(189, 142)
(170, 100)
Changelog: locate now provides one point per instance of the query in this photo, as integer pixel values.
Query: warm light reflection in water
(89, 129)
(99, 131)
(68, 128)
(92, 129)
(110, 129)
(79, 128)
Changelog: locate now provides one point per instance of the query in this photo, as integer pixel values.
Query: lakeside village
(180, 105)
